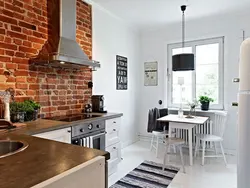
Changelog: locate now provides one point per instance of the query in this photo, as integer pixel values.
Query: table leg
(190, 144)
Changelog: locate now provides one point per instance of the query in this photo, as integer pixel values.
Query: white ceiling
(146, 13)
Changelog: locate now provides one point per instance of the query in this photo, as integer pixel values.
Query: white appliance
(243, 169)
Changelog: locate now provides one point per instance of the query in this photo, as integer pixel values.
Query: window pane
(187, 87)
(207, 71)
(207, 54)
(181, 50)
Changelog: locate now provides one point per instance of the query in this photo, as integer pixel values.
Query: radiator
(206, 128)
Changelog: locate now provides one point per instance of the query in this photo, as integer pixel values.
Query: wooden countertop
(42, 160)
(44, 125)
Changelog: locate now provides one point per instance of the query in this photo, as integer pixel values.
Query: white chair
(216, 137)
(158, 136)
(176, 143)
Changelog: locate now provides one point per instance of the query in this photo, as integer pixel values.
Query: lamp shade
(183, 62)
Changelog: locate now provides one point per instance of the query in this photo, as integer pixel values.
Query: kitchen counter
(44, 125)
(43, 159)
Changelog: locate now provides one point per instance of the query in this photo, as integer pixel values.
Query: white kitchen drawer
(112, 123)
(112, 166)
(115, 151)
(112, 129)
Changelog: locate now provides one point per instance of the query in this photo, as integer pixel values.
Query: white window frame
(193, 44)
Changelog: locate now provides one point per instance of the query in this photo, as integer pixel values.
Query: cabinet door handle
(114, 121)
(114, 147)
(69, 131)
(114, 130)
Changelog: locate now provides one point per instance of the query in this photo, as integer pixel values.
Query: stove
(73, 117)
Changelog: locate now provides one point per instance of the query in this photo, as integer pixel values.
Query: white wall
(111, 37)
(154, 48)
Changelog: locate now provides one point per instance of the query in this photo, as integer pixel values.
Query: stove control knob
(81, 130)
(98, 126)
(90, 126)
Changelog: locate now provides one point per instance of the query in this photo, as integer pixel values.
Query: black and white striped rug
(148, 175)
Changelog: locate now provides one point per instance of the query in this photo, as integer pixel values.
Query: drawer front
(112, 137)
(115, 151)
(112, 167)
(113, 123)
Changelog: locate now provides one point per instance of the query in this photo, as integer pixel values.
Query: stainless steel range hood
(69, 52)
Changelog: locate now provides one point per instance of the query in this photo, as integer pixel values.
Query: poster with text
(121, 73)
(150, 73)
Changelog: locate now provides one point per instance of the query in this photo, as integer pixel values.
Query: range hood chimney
(68, 52)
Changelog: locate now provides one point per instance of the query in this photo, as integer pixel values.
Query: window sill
(197, 110)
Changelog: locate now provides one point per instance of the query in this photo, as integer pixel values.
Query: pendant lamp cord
(183, 8)
(183, 29)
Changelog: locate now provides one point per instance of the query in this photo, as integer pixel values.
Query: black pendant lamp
(184, 61)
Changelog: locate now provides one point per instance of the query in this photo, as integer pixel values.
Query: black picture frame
(121, 73)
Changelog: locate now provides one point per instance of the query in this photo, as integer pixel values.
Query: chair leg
(215, 149)
(196, 147)
(157, 146)
(152, 142)
(182, 160)
(164, 157)
(222, 151)
(203, 152)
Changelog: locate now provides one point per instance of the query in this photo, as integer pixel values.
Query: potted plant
(17, 111)
(32, 109)
(205, 100)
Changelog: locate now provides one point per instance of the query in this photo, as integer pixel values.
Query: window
(206, 79)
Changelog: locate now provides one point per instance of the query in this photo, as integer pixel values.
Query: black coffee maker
(98, 104)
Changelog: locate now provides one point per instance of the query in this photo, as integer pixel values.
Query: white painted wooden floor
(213, 175)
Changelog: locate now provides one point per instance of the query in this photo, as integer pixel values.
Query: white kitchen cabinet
(90, 174)
(60, 135)
(113, 145)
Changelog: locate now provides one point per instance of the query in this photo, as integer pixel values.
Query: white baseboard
(128, 142)
(147, 138)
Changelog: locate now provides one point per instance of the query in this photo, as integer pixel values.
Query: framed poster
(151, 73)
(121, 73)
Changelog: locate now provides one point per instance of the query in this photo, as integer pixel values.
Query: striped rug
(148, 175)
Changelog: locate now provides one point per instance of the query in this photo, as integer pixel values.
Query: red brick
(16, 35)
(7, 39)
(20, 60)
(21, 86)
(21, 73)
(31, 92)
(20, 54)
(34, 86)
(28, 50)
(8, 20)
(10, 66)
(2, 31)
(63, 108)
(21, 79)
(17, 41)
(49, 109)
(11, 79)
(27, 25)
(9, 53)
(44, 86)
(31, 80)
(23, 67)
(5, 59)
(16, 28)
(8, 46)
(27, 43)
(36, 40)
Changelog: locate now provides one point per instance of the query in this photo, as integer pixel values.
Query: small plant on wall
(205, 101)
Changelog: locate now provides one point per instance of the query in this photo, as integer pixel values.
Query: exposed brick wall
(26, 27)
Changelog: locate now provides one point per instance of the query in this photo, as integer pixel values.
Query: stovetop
(73, 117)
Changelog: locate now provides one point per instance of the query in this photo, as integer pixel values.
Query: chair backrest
(219, 123)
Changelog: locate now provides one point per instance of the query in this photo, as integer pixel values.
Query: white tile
(213, 174)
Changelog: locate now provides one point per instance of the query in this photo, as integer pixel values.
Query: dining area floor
(214, 174)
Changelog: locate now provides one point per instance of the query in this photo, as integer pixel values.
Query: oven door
(98, 141)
